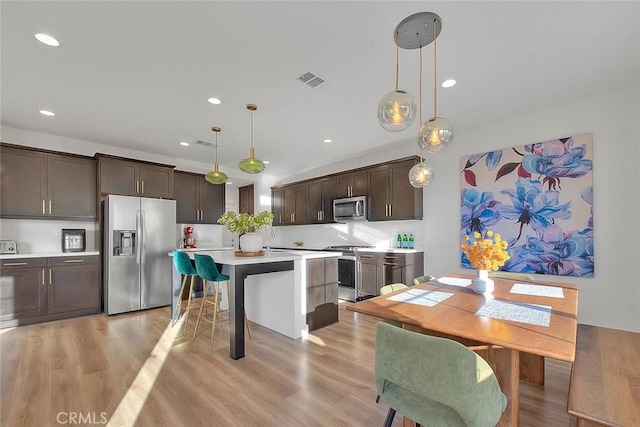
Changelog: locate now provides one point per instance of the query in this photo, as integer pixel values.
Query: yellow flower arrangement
(485, 253)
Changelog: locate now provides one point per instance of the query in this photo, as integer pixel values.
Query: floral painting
(539, 198)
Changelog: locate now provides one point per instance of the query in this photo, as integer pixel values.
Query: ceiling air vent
(310, 79)
(205, 143)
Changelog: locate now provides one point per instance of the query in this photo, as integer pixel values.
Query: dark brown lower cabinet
(379, 269)
(322, 292)
(35, 290)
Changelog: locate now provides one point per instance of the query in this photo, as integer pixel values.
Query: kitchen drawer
(9, 264)
(72, 260)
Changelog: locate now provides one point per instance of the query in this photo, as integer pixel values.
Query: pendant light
(421, 174)
(216, 177)
(437, 132)
(251, 165)
(397, 109)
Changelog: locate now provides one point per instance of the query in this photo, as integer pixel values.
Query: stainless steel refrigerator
(139, 233)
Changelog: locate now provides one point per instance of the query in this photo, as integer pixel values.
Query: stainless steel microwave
(350, 209)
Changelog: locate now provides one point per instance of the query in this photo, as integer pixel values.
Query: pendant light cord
(216, 148)
(435, 79)
(251, 126)
(420, 87)
(397, 60)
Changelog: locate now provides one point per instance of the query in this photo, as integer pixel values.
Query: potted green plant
(248, 227)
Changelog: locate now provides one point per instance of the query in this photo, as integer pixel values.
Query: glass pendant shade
(216, 177)
(396, 110)
(421, 175)
(435, 134)
(251, 165)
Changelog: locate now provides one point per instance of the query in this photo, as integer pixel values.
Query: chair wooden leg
(188, 311)
(389, 420)
(184, 283)
(216, 310)
(202, 304)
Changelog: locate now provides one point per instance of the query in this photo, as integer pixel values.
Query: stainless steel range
(347, 271)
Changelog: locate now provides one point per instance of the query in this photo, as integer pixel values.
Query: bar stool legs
(189, 303)
(216, 314)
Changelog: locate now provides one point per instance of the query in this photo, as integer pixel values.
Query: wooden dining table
(515, 349)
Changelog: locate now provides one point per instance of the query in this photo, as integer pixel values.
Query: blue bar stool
(212, 278)
(185, 266)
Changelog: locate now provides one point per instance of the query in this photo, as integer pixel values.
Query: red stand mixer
(189, 238)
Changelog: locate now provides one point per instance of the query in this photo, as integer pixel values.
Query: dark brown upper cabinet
(132, 178)
(352, 184)
(197, 200)
(321, 193)
(41, 185)
(392, 197)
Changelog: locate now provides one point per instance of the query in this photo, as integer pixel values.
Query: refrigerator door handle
(143, 239)
(138, 237)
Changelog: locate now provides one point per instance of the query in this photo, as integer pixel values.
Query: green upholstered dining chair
(212, 279)
(186, 267)
(423, 279)
(510, 275)
(387, 289)
(435, 381)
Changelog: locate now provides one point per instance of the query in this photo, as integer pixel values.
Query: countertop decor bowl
(298, 243)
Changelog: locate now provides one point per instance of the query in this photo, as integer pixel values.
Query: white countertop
(221, 248)
(228, 256)
(392, 250)
(50, 255)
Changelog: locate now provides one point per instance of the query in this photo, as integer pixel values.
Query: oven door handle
(347, 257)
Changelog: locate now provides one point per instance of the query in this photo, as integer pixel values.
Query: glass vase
(482, 284)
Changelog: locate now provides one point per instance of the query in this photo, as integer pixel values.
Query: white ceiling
(138, 74)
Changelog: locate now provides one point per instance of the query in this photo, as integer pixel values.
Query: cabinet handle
(366, 256)
(44, 212)
(391, 264)
(279, 218)
(137, 186)
(74, 260)
(8, 264)
(50, 212)
(142, 187)
(50, 278)
(390, 209)
(43, 277)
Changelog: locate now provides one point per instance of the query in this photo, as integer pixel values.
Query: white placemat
(453, 281)
(537, 290)
(533, 314)
(421, 297)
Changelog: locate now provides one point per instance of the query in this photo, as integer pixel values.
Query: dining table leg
(505, 363)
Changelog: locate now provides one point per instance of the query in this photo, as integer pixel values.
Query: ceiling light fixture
(47, 113)
(47, 39)
(251, 165)
(436, 133)
(397, 109)
(327, 141)
(214, 101)
(184, 143)
(448, 83)
(215, 176)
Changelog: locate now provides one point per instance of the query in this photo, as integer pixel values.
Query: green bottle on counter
(405, 241)
(410, 241)
(399, 241)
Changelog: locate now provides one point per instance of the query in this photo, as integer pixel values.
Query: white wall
(612, 297)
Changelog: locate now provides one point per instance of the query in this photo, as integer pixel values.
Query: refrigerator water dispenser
(124, 242)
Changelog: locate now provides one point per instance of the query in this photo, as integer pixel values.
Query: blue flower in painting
(556, 159)
(533, 205)
(492, 159)
(587, 196)
(556, 252)
(479, 210)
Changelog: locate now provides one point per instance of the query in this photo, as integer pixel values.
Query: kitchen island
(272, 289)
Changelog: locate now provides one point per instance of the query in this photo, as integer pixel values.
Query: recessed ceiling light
(185, 143)
(448, 83)
(266, 162)
(229, 182)
(47, 39)
(214, 101)
(47, 113)
(328, 141)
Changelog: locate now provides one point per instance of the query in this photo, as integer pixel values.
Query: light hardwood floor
(129, 370)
